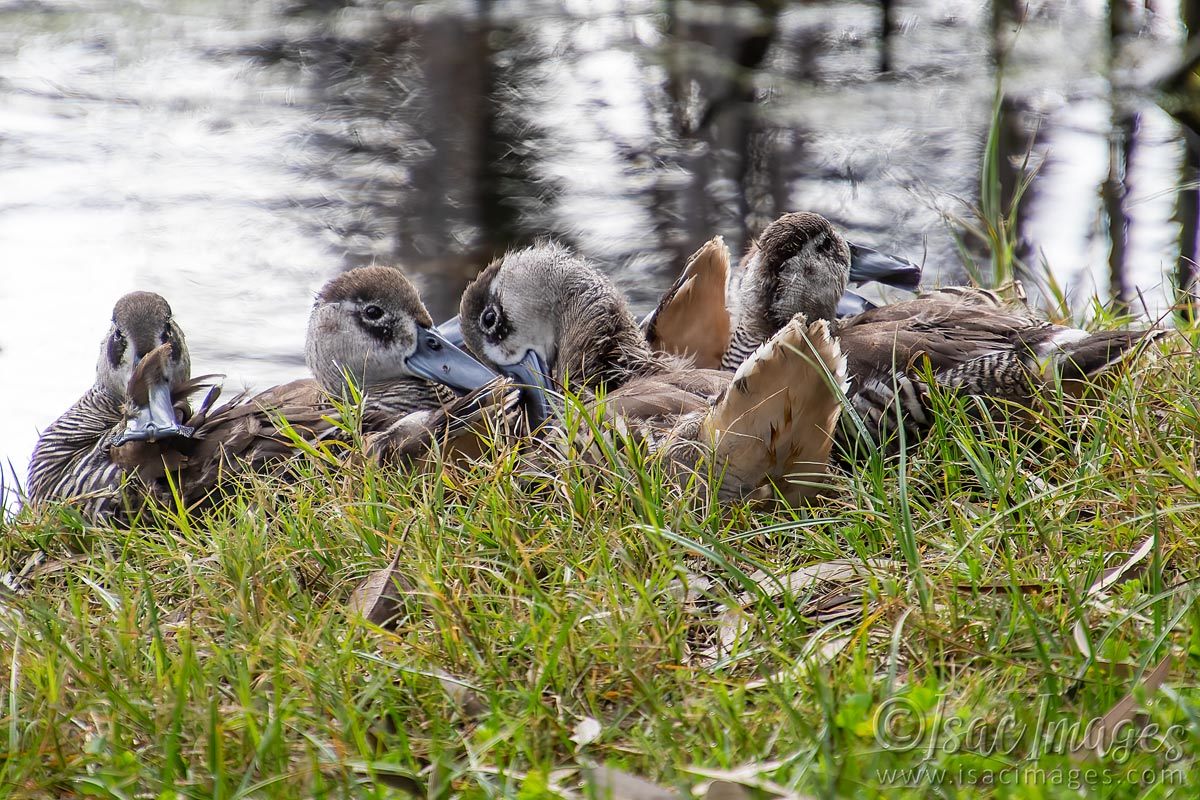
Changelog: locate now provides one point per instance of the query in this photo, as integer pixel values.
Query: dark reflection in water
(447, 136)
(235, 155)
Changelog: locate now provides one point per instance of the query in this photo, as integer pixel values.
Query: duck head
(143, 363)
(370, 324)
(799, 264)
(542, 315)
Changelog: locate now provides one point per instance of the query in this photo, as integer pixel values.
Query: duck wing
(774, 423)
(691, 319)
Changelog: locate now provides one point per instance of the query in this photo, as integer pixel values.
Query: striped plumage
(547, 318)
(367, 325)
(73, 458)
(971, 341)
(965, 338)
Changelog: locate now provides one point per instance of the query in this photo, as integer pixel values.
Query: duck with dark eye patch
(368, 333)
(966, 339)
(692, 319)
(73, 460)
(549, 320)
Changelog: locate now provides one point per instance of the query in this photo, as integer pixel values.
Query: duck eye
(372, 313)
(488, 319)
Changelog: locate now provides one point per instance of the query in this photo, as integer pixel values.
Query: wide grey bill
(850, 304)
(452, 330)
(532, 375)
(868, 264)
(155, 420)
(439, 360)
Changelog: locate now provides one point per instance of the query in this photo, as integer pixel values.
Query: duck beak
(437, 359)
(452, 330)
(850, 304)
(155, 420)
(532, 375)
(867, 264)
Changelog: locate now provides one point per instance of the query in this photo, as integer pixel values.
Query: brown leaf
(1115, 575)
(837, 604)
(1001, 587)
(378, 598)
(606, 783)
(1094, 596)
(1121, 713)
(732, 784)
(390, 775)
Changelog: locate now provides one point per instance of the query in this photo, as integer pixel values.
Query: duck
(962, 338)
(691, 317)
(551, 321)
(370, 344)
(692, 312)
(72, 461)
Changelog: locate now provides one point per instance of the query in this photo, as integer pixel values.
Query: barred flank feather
(742, 345)
(71, 460)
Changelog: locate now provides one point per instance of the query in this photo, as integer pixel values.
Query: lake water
(233, 156)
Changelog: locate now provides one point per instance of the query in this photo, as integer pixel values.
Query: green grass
(213, 655)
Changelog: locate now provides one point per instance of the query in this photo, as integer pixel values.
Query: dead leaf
(1116, 574)
(586, 731)
(606, 783)
(832, 571)
(390, 775)
(1002, 588)
(378, 598)
(839, 604)
(1121, 713)
(1093, 596)
(738, 778)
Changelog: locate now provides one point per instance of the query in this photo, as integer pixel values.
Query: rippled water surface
(233, 156)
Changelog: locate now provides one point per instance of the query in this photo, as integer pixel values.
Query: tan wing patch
(775, 422)
(691, 319)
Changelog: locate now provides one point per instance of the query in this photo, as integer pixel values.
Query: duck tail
(692, 319)
(776, 419)
(1083, 357)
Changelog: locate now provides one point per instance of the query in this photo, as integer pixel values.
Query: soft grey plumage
(545, 316)
(966, 338)
(799, 265)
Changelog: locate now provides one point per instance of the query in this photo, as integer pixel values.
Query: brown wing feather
(947, 328)
(776, 421)
(691, 318)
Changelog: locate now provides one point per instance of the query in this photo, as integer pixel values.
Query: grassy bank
(954, 610)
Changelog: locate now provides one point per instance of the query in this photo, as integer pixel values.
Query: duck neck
(601, 345)
(769, 301)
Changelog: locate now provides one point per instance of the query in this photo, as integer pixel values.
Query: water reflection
(232, 156)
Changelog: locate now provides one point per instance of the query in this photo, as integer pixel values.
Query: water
(233, 156)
